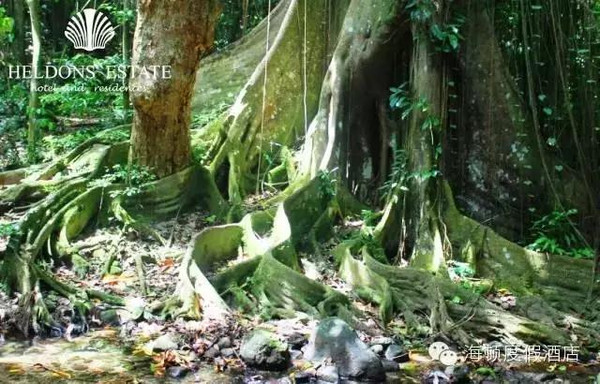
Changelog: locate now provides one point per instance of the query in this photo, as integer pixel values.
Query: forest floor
(130, 344)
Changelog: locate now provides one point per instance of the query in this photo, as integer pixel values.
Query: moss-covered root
(428, 303)
(56, 219)
(280, 288)
(85, 162)
(196, 295)
(263, 265)
(561, 281)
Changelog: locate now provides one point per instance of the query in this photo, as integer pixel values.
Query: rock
(164, 343)
(177, 372)
(383, 340)
(377, 348)
(227, 352)
(212, 352)
(224, 342)
(296, 340)
(436, 377)
(394, 352)
(334, 340)
(530, 377)
(390, 366)
(460, 374)
(303, 377)
(99, 254)
(328, 373)
(262, 349)
(296, 354)
(109, 317)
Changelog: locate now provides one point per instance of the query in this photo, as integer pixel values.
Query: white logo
(89, 30)
(440, 351)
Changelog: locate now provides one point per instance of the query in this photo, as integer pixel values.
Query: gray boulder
(335, 341)
(262, 349)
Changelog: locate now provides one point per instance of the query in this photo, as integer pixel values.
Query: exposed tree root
(60, 213)
(264, 269)
(275, 106)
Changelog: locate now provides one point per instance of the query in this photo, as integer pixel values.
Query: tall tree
(18, 14)
(36, 43)
(175, 34)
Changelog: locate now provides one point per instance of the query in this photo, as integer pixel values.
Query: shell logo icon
(89, 30)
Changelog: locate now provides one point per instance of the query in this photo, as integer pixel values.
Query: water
(96, 357)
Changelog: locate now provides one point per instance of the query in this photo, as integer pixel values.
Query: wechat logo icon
(441, 352)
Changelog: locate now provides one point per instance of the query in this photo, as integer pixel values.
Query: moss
(216, 245)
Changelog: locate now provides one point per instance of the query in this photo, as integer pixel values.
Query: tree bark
(171, 34)
(126, 50)
(36, 42)
(18, 14)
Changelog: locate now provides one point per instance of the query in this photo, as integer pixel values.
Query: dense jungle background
(395, 191)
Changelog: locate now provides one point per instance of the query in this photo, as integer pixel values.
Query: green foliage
(199, 154)
(60, 144)
(229, 27)
(462, 270)
(133, 176)
(6, 26)
(8, 229)
(447, 37)
(82, 97)
(401, 100)
(13, 109)
(554, 233)
(121, 15)
(399, 177)
(486, 371)
(202, 119)
(373, 246)
(56, 145)
(327, 188)
(369, 217)
(420, 11)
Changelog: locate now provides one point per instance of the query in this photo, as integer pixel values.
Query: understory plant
(555, 233)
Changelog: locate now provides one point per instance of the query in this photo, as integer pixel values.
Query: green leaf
(437, 32)
(453, 39)
(548, 111)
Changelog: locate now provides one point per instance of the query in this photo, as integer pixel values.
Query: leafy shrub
(133, 176)
(556, 234)
(78, 97)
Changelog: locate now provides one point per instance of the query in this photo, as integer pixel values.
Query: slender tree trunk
(171, 34)
(244, 16)
(36, 38)
(125, 51)
(18, 14)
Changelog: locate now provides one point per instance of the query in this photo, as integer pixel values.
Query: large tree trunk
(261, 120)
(376, 50)
(171, 34)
